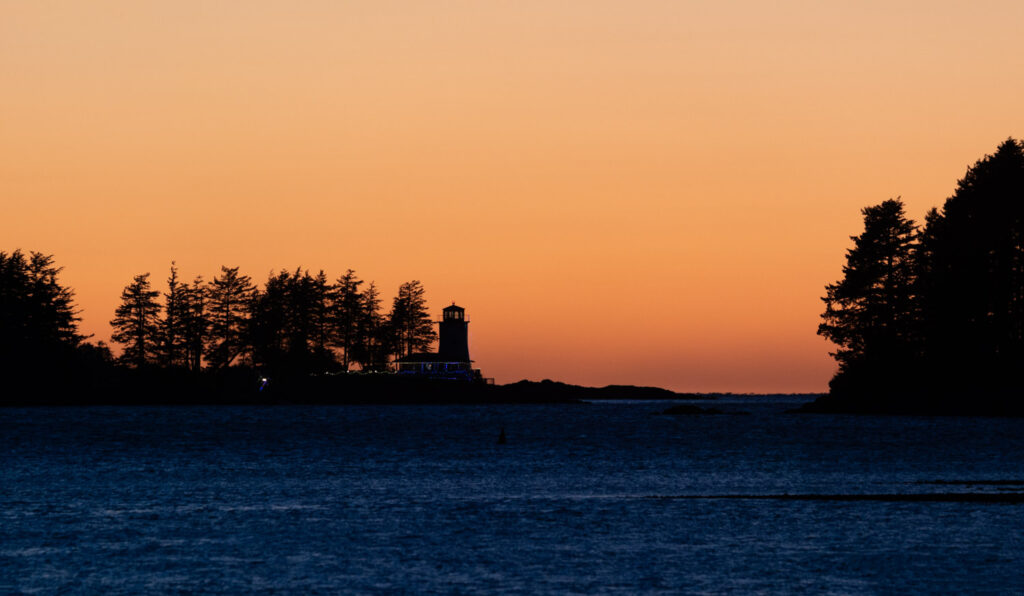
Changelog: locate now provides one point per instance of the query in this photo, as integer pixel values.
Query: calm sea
(588, 499)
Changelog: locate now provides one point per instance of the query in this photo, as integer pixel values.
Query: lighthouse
(451, 361)
(453, 331)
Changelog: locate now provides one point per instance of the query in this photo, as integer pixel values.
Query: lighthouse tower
(453, 343)
(451, 361)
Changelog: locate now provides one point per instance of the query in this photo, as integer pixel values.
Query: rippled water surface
(592, 498)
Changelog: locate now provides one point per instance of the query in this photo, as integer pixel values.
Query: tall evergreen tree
(346, 312)
(42, 354)
(374, 341)
(298, 317)
(269, 325)
(410, 320)
(228, 301)
(320, 294)
(195, 322)
(172, 326)
(972, 271)
(136, 322)
(37, 313)
(871, 314)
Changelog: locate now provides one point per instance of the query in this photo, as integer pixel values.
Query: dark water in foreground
(583, 499)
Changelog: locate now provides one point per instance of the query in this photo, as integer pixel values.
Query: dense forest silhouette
(299, 323)
(299, 338)
(931, 319)
(41, 350)
(205, 338)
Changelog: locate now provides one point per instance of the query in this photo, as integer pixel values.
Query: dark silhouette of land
(931, 320)
(226, 341)
(925, 320)
(558, 390)
(113, 385)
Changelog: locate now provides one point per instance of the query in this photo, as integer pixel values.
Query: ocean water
(589, 499)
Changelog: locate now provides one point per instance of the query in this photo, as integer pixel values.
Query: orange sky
(618, 192)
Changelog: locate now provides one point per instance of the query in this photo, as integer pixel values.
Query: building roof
(427, 357)
(453, 307)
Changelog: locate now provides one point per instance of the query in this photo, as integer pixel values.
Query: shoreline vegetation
(930, 319)
(926, 320)
(296, 340)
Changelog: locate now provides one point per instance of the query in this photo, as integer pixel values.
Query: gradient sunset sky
(618, 192)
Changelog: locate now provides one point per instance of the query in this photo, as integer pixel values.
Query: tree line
(931, 317)
(223, 330)
(37, 313)
(297, 323)
(41, 349)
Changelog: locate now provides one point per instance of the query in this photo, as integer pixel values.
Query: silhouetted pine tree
(194, 323)
(346, 313)
(872, 313)
(375, 338)
(320, 294)
(43, 358)
(172, 326)
(136, 322)
(38, 322)
(298, 320)
(228, 302)
(268, 329)
(972, 274)
(410, 321)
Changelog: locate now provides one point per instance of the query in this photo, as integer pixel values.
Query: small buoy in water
(501, 438)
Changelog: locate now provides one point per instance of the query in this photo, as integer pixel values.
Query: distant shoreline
(129, 387)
